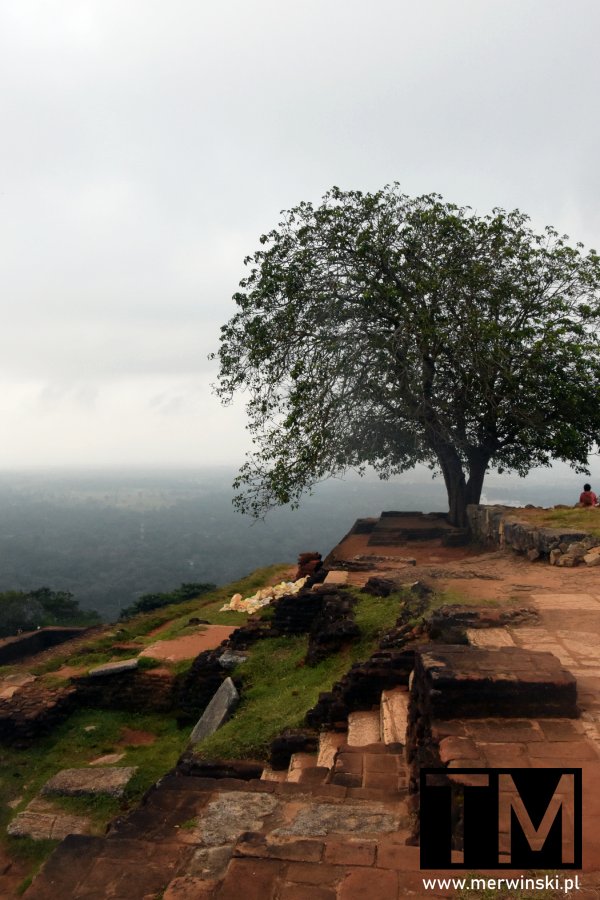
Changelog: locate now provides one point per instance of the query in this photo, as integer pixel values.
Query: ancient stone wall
(13, 649)
(33, 711)
(500, 527)
(151, 691)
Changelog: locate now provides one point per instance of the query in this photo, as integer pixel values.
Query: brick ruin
(458, 687)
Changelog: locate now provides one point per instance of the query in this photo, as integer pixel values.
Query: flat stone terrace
(319, 831)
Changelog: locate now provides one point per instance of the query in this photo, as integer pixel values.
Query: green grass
(452, 597)
(137, 630)
(278, 689)
(576, 519)
(24, 772)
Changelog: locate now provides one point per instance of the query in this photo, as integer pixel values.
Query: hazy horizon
(108, 536)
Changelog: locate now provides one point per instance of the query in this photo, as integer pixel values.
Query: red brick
(313, 775)
(374, 884)
(320, 873)
(306, 892)
(510, 755)
(457, 748)
(381, 780)
(562, 730)
(347, 780)
(375, 748)
(349, 762)
(257, 877)
(441, 729)
(363, 793)
(392, 855)
(329, 792)
(350, 852)
(254, 844)
(289, 788)
(258, 786)
(504, 731)
(189, 887)
(572, 750)
(478, 763)
(376, 762)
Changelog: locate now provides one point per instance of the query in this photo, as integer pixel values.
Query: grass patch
(278, 688)
(575, 519)
(24, 772)
(455, 598)
(138, 629)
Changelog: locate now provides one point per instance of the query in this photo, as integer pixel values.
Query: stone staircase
(332, 824)
(369, 755)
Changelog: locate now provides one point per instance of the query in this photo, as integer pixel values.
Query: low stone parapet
(15, 648)
(501, 527)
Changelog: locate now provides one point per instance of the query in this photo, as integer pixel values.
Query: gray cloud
(145, 147)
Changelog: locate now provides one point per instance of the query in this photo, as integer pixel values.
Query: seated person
(587, 497)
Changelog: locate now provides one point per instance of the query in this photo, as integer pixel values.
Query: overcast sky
(146, 145)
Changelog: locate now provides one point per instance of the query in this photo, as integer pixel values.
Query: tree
(25, 611)
(186, 591)
(383, 330)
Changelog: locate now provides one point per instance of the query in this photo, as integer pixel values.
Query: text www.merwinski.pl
(521, 883)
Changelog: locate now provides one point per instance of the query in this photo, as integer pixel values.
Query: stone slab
(329, 744)
(336, 576)
(109, 759)
(454, 681)
(217, 712)
(110, 780)
(394, 715)
(40, 820)
(363, 728)
(113, 668)
(566, 601)
(230, 814)
(332, 818)
(490, 637)
(230, 659)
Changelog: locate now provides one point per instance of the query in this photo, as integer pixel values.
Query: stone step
(270, 774)
(329, 744)
(299, 762)
(394, 715)
(313, 775)
(453, 681)
(97, 867)
(363, 728)
(336, 576)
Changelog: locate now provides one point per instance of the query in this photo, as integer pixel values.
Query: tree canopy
(27, 610)
(383, 330)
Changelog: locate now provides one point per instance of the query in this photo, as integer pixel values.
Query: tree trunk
(457, 499)
(477, 468)
(460, 491)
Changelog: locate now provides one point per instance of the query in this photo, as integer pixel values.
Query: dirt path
(190, 645)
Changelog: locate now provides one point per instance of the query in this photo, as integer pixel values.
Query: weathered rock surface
(112, 668)
(41, 820)
(217, 712)
(230, 814)
(329, 818)
(110, 780)
(500, 526)
(452, 681)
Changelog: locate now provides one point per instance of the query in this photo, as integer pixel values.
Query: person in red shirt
(587, 497)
